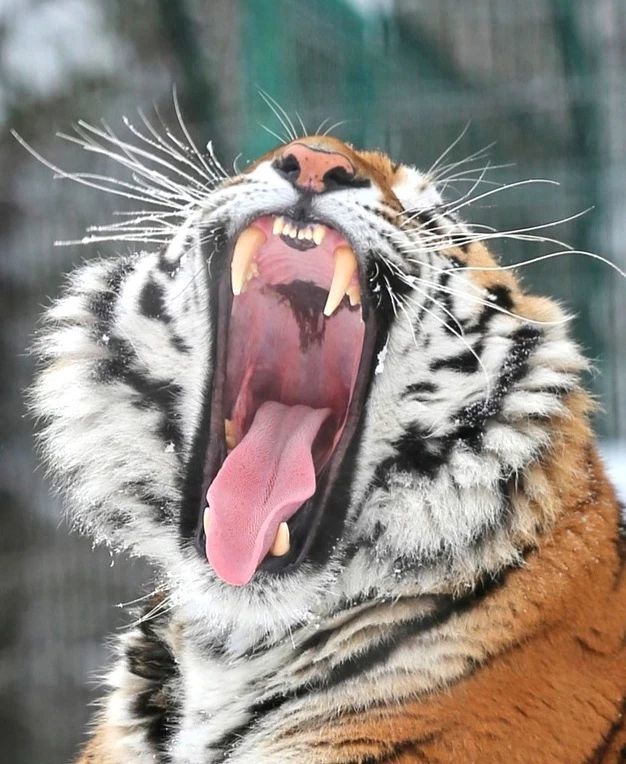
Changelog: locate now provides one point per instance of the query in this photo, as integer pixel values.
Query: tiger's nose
(314, 169)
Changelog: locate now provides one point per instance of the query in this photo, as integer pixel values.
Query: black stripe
(362, 662)
(620, 542)
(381, 278)
(101, 304)
(473, 418)
(391, 752)
(501, 296)
(415, 452)
(466, 362)
(146, 494)
(151, 393)
(150, 658)
(598, 756)
(152, 302)
(414, 389)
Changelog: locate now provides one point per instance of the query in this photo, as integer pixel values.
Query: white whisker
(446, 151)
(280, 138)
(187, 134)
(280, 114)
(335, 125)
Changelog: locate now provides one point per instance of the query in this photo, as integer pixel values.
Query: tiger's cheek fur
(127, 357)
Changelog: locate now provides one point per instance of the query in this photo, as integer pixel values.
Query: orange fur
(551, 681)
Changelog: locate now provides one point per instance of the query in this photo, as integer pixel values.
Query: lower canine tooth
(229, 434)
(281, 544)
(354, 295)
(246, 247)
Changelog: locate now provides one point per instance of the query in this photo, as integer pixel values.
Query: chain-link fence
(543, 79)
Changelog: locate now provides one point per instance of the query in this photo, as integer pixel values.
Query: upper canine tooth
(206, 520)
(345, 268)
(282, 541)
(319, 231)
(279, 224)
(247, 244)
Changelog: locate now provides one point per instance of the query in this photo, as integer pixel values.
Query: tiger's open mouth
(294, 349)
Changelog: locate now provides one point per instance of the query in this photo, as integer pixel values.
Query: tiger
(358, 456)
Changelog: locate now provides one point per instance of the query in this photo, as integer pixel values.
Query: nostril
(339, 177)
(287, 166)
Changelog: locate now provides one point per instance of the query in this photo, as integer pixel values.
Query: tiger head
(322, 389)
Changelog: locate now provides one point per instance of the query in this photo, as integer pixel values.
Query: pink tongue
(261, 483)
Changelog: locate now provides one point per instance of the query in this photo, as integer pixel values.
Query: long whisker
(446, 151)
(519, 234)
(442, 178)
(455, 207)
(335, 125)
(539, 259)
(302, 125)
(136, 151)
(473, 157)
(186, 132)
(488, 304)
(320, 127)
(280, 138)
(161, 145)
(76, 176)
(280, 114)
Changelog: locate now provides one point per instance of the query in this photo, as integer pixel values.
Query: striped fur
(470, 605)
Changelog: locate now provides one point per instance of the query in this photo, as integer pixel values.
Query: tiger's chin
(293, 349)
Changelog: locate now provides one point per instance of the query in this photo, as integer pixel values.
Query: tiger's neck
(192, 697)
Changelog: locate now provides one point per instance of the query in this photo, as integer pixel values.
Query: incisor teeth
(345, 267)
(301, 233)
(247, 244)
(281, 543)
(319, 231)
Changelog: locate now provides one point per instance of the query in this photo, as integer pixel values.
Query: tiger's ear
(414, 190)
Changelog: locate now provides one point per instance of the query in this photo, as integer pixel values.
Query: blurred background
(543, 79)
